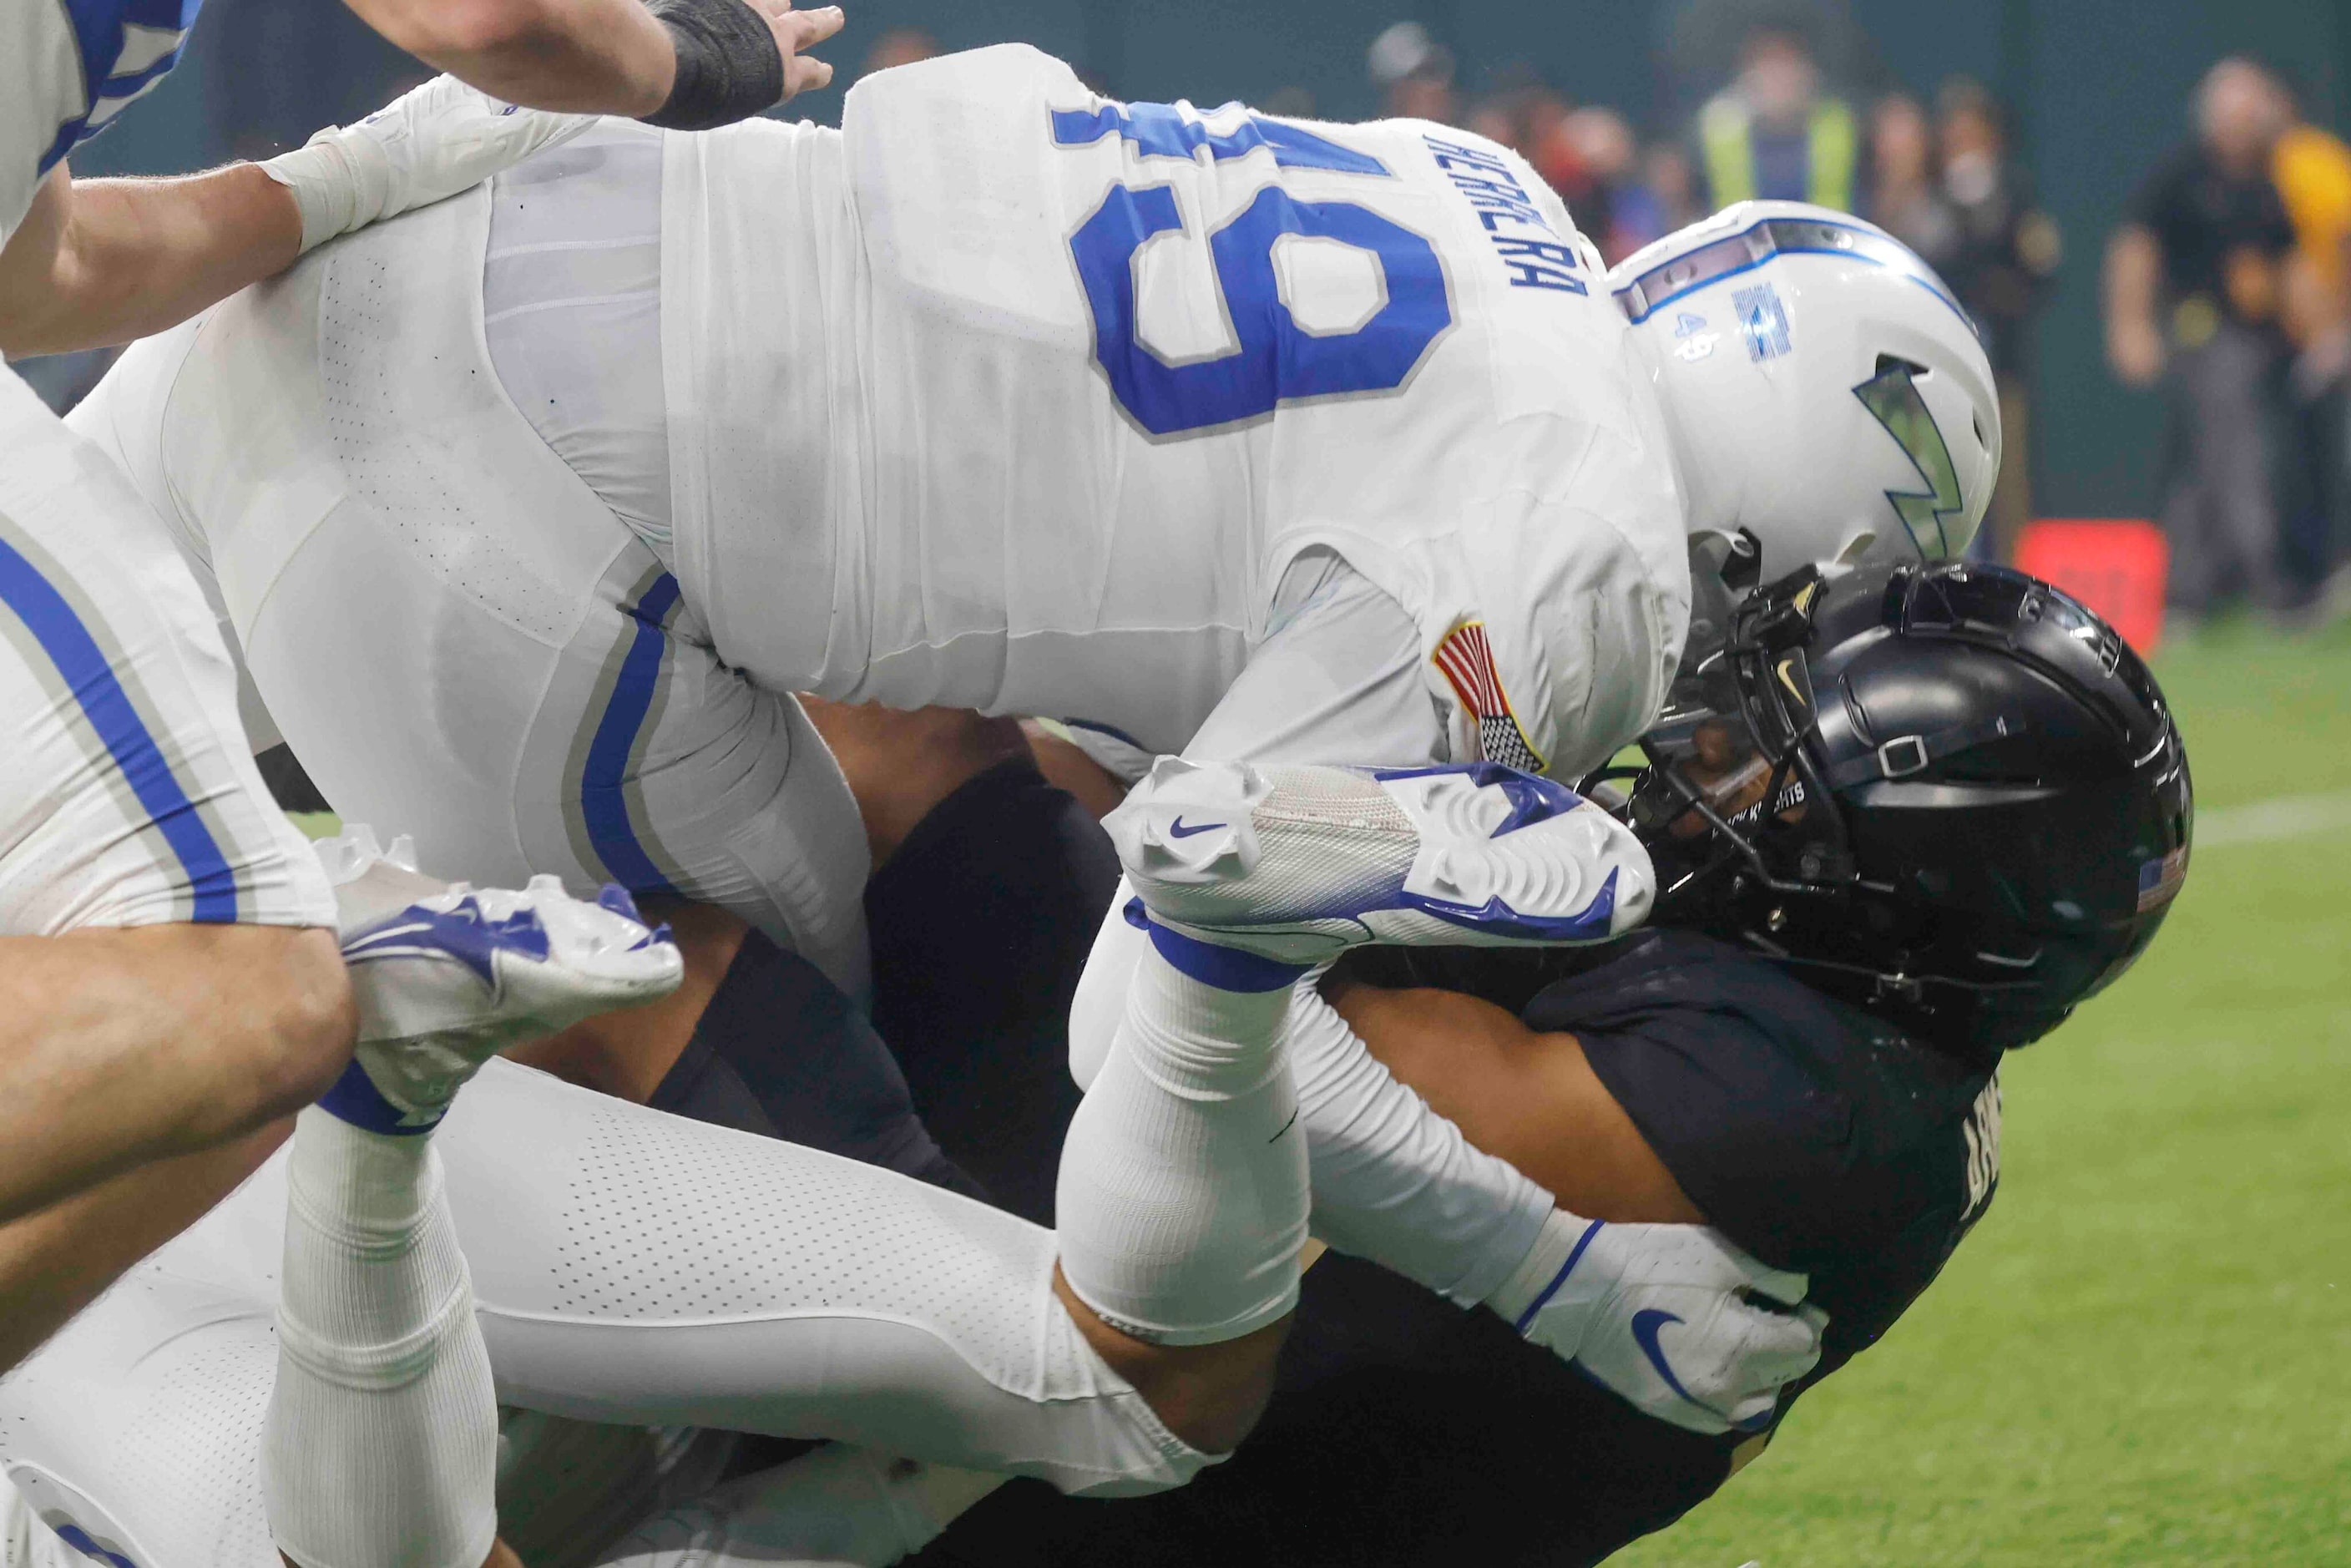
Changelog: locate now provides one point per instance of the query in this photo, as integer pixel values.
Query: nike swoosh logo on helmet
(1176, 830)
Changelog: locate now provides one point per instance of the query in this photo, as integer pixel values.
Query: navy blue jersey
(1814, 1135)
(1403, 1430)
(1407, 1431)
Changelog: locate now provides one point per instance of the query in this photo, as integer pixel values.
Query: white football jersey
(1091, 374)
(67, 67)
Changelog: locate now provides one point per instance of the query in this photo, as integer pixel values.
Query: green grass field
(2143, 1354)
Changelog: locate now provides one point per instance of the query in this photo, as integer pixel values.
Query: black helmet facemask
(1948, 794)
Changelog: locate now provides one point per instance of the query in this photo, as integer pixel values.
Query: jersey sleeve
(1336, 680)
(40, 93)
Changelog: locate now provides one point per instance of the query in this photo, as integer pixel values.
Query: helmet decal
(1892, 396)
(2160, 880)
(1468, 660)
(1762, 321)
(1683, 273)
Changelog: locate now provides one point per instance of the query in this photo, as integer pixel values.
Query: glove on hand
(421, 148)
(1672, 1318)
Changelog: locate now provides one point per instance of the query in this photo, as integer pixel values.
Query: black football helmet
(1948, 794)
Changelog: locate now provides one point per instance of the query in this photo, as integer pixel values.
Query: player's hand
(795, 31)
(422, 147)
(1675, 1319)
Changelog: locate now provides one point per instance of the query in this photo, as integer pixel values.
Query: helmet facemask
(1972, 879)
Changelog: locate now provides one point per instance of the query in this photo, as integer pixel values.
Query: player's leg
(638, 1267)
(134, 1435)
(1184, 1191)
(135, 1430)
(161, 990)
(840, 1505)
(607, 745)
(454, 632)
(381, 1445)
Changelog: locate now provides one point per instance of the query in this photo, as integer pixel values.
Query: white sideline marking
(2266, 821)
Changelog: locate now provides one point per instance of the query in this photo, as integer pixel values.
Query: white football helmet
(1822, 387)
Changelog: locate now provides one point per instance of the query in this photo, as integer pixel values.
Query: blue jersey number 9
(1276, 361)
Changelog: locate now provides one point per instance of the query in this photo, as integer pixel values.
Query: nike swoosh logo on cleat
(464, 933)
(1176, 830)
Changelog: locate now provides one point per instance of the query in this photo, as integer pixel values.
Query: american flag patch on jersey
(1468, 660)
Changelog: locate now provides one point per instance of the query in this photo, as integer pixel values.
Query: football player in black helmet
(1905, 821)
(2010, 805)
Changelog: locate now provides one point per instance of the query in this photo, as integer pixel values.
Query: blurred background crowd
(2146, 205)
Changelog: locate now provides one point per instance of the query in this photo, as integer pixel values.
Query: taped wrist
(729, 67)
(338, 181)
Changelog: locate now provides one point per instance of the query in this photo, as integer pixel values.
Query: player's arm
(103, 261)
(97, 262)
(1625, 1249)
(2134, 279)
(691, 64)
(1522, 1095)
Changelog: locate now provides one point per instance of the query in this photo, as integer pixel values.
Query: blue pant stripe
(603, 798)
(83, 666)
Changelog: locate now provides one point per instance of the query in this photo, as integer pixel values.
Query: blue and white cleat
(453, 975)
(1296, 864)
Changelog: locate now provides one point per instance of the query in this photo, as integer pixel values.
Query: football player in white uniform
(1265, 441)
(171, 987)
(1257, 440)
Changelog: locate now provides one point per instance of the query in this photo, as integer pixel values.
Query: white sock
(1183, 1198)
(381, 1449)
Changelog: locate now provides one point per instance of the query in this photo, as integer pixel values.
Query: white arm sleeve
(1394, 1181)
(1338, 680)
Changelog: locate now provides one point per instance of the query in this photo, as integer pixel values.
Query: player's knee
(1210, 1395)
(300, 996)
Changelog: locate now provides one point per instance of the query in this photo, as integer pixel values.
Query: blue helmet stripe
(1760, 243)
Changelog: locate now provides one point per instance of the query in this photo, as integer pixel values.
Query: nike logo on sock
(1176, 830)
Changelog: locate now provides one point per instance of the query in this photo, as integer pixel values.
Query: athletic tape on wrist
(728, 65)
